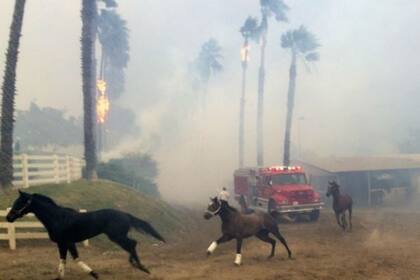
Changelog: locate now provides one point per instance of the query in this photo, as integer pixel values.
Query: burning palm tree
(89, 16)
(302, 44)
(8, 98)
(113, 36)
(249, 31)
(268, 8)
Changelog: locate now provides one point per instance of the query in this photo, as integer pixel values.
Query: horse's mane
(232, 208)
(44, 199)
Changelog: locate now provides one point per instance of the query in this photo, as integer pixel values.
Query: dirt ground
(384, 244)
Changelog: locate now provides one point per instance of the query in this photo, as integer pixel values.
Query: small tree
(302, 44)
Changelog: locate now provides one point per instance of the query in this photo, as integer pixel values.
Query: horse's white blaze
(238, 259)
(212, 247)
(61, 268)
(84, 267)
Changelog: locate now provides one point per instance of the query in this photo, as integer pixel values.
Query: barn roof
(350, 164)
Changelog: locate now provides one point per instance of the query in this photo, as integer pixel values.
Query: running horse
(66, 226)
(239, 226)
(341, 203)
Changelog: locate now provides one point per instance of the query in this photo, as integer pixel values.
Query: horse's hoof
(237, 264)
(94, 274)
(144, 269)
(208, 253)
(270, 257)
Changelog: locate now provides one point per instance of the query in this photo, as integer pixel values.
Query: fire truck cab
(283, 189)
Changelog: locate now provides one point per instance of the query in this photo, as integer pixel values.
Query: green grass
(104, 194)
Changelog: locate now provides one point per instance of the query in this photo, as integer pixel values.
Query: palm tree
(89, 15)
(268, 8)
(8, 98)
(89, 21)
(249, 31)
(302, 44)
(208, 62)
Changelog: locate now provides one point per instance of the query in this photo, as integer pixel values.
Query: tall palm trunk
(8, 98)
(260, 102)
(290, 105)
(89, 16)
(242, 105)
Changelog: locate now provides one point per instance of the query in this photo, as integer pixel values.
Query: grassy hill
(104, 194)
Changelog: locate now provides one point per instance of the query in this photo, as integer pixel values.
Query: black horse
(66, 226)
(236, 225)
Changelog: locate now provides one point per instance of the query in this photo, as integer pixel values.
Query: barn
(370, 180)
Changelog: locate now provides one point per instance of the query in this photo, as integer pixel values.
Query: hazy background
(359, 98)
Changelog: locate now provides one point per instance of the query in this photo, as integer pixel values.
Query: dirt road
(384, 244)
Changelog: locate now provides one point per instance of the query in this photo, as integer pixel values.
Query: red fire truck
(283, 189)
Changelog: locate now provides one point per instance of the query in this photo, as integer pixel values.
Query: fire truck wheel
(314, 215)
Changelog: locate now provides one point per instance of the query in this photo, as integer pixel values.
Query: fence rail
(12, 232)
(30, 170)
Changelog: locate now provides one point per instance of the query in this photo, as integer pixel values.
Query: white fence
(30, 170)
(12, 233)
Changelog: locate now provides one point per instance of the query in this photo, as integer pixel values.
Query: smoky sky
(359, 98)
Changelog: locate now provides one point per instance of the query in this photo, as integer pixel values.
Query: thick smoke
(358, 99)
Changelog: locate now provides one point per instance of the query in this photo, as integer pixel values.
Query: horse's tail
(145, 227)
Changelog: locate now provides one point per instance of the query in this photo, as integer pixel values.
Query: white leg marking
(61, 268)
(83, 266)
(212, 247)
(238, 259)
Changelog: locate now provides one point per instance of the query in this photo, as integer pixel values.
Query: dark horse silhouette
(66, 226)
(341, 203)
(239, 226)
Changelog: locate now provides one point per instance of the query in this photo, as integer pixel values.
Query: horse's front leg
(62, 249)
(213, 245)
(238, 258)
(337, 217)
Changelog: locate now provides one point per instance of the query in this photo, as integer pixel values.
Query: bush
(134, 170)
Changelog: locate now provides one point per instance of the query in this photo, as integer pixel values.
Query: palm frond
(300, 39)
(110, 3)
(250, 29)
(313, 56)
(208, 60)
(276, 7)
(287, 40)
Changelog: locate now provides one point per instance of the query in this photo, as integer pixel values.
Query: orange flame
(102, 102)
(245, 53)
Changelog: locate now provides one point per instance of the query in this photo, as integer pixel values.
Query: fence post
(11, 232)
(25, 171)
(56, 170)
(68, 171)
(85, 242)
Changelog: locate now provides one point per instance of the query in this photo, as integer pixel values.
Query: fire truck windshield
(288, 179)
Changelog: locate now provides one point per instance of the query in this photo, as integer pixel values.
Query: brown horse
(239, 226)
(341, 203)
